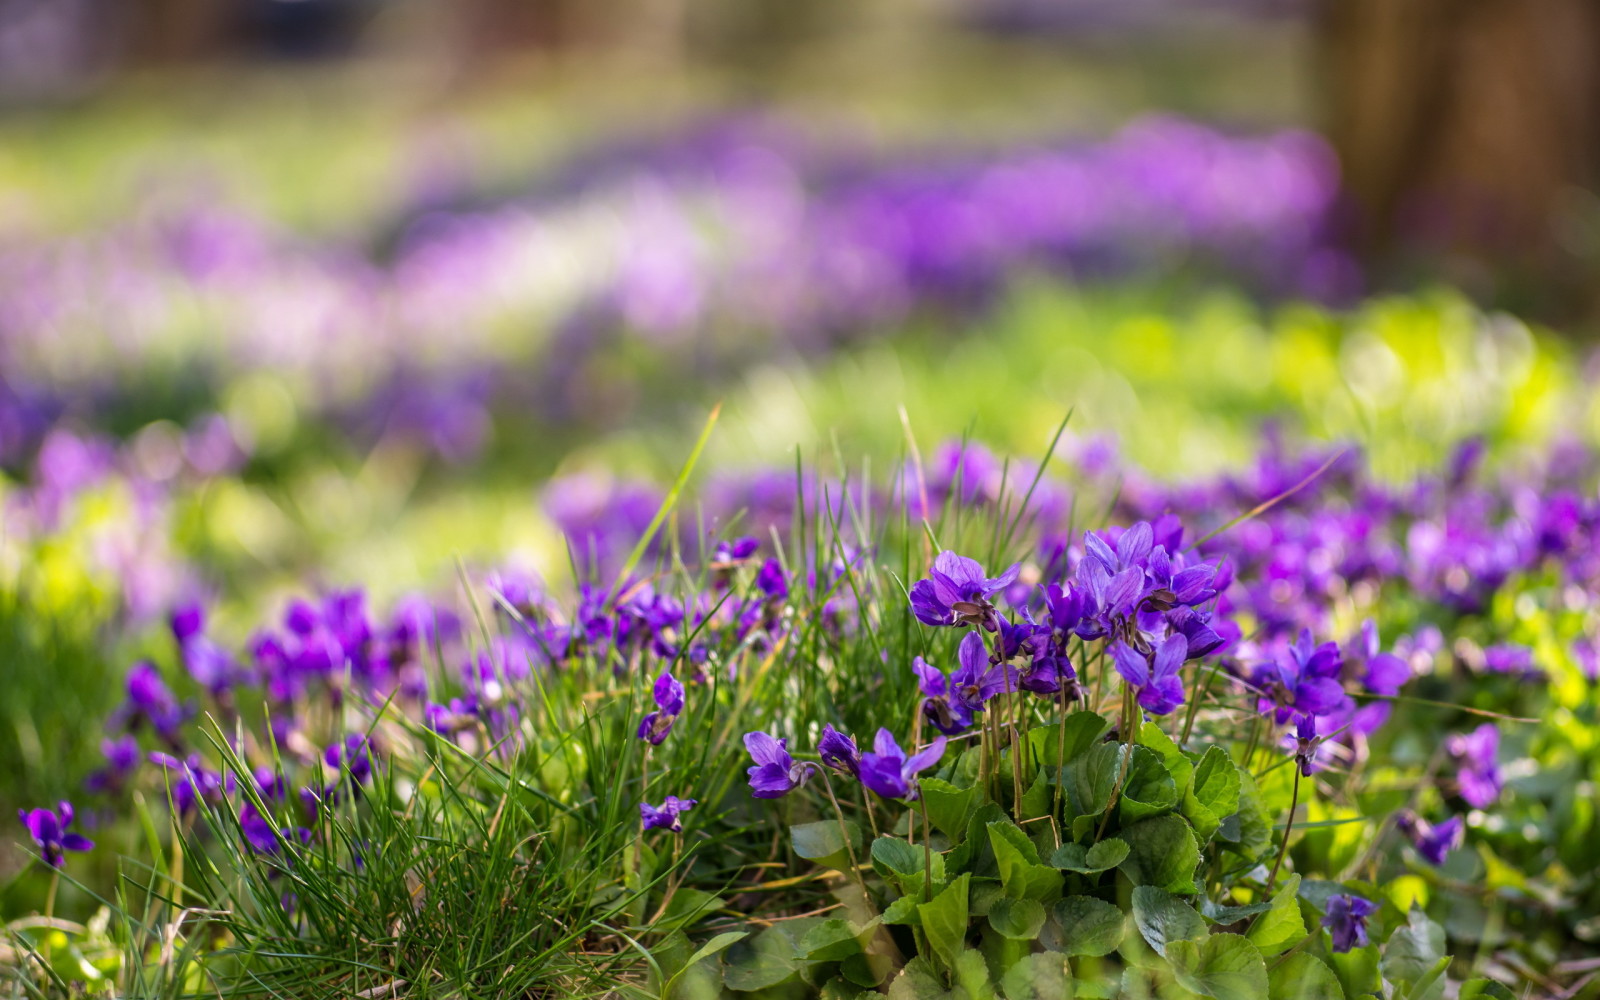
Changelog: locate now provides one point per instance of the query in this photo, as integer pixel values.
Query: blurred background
(333, 286)
(310, 293)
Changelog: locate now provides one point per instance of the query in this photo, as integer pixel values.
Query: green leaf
(1038, 800)
(687, 906)
(1148, 789)
(1162, 918)
(982, 895)
(948, 806)
(1017, 857)
(1219, 914)
(1357, 970)
(1017, 919)
(944, 920)
(823, 843)
(846, 989)
(1162, 852)
(972, 975)
(1043, 884)
(1225, 966)
(1214, 793)
(1091, 778)
(1249, 830)
(974, 854)
(920, 980)
(1484, 989)
(967, 768)
(1282, 926)
(1011, 846)
(832, 940)
(1429, 986)
(901, 863)
(1104, 856)
(759, 962)
(1088, 926)
(1082, 730)
(903, 911)
(717, 944)
(1176, 762)
(1302, 976)
(1412, 950)
(865, 970)
(1038, 977)
(893, 856)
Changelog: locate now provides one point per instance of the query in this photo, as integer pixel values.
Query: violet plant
(1120, 765)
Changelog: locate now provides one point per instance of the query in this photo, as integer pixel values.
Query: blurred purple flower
(1346, 921)
(48, 828)
(1434, 843)
(353, 754)
(1477, 768)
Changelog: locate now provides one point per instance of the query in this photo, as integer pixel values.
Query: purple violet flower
(355, 753)
(888, 771)
(1167, 587)
(1155, 677)
(1382, 673)
(123, 757)
(730, 553)
(975, 681)
(957, 593)
(262, 836)
(1509, 659)
(1301, 680)
(451, 719)
(1478, 775)
(195, 783)
(944, 714)
(48, 828)
(1434, 843)
(1306, 743)
(771, 581)
(1346, 921)
(839, 752)
(1132, 549)
(187, 621)
(151, 701)
(775, 773)
(654, 727)
(666, 816)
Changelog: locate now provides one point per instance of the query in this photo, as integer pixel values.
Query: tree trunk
(1469, 134)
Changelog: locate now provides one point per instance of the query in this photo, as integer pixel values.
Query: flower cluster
(736, 223)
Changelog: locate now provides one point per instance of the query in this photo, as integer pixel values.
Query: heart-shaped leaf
(1162, 918)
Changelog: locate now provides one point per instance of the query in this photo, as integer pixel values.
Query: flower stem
(1061, 762)
(1128, 708)
(50, 897)
(927, 850)
(872, 816)
(644, 791)
(1288, 827)
(1194, 705)
(844, 834)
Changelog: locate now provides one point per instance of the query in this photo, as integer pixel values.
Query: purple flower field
(1081, 583)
